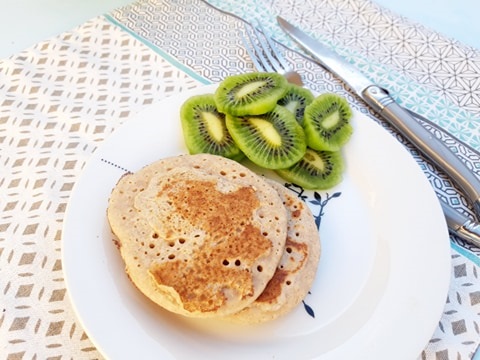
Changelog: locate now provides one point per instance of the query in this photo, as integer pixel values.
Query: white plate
(381, 285)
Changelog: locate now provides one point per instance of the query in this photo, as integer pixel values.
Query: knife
(461, 226)
(384, 105)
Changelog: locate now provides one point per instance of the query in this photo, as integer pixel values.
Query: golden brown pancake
(296, 270)
(200, 235)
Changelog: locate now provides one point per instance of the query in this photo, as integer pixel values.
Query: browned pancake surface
(200, 235)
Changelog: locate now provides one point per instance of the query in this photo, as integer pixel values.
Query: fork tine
(268, 59)
(255, 53)
(260, 51)
(273, 53)
(266, 56)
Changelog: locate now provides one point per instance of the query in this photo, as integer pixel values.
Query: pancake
(200, 235)
(296, 270)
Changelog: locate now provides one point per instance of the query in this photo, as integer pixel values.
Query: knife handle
(432, 147)
(461, 226)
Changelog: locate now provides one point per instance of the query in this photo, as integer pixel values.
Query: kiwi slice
(273, 140)
(250, 94)
(317, 170)
(204, 128)
(327, 122)
(295, 100)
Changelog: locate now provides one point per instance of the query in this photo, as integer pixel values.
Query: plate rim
(95, 157)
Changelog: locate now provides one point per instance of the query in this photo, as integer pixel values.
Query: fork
(266, 56)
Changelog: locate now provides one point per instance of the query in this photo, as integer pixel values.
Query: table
(52, 119)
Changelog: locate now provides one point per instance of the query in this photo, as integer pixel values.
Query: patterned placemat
(61, 98)
(58, 101)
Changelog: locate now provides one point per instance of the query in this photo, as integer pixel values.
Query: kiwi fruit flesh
(327, 122)
(318, 170)
(204, 128)
(274, 140)
(296, 100)
(250, 93)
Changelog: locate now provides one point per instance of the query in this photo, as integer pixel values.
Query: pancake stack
(203, 236)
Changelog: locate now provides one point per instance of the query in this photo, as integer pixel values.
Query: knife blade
(385, 106)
